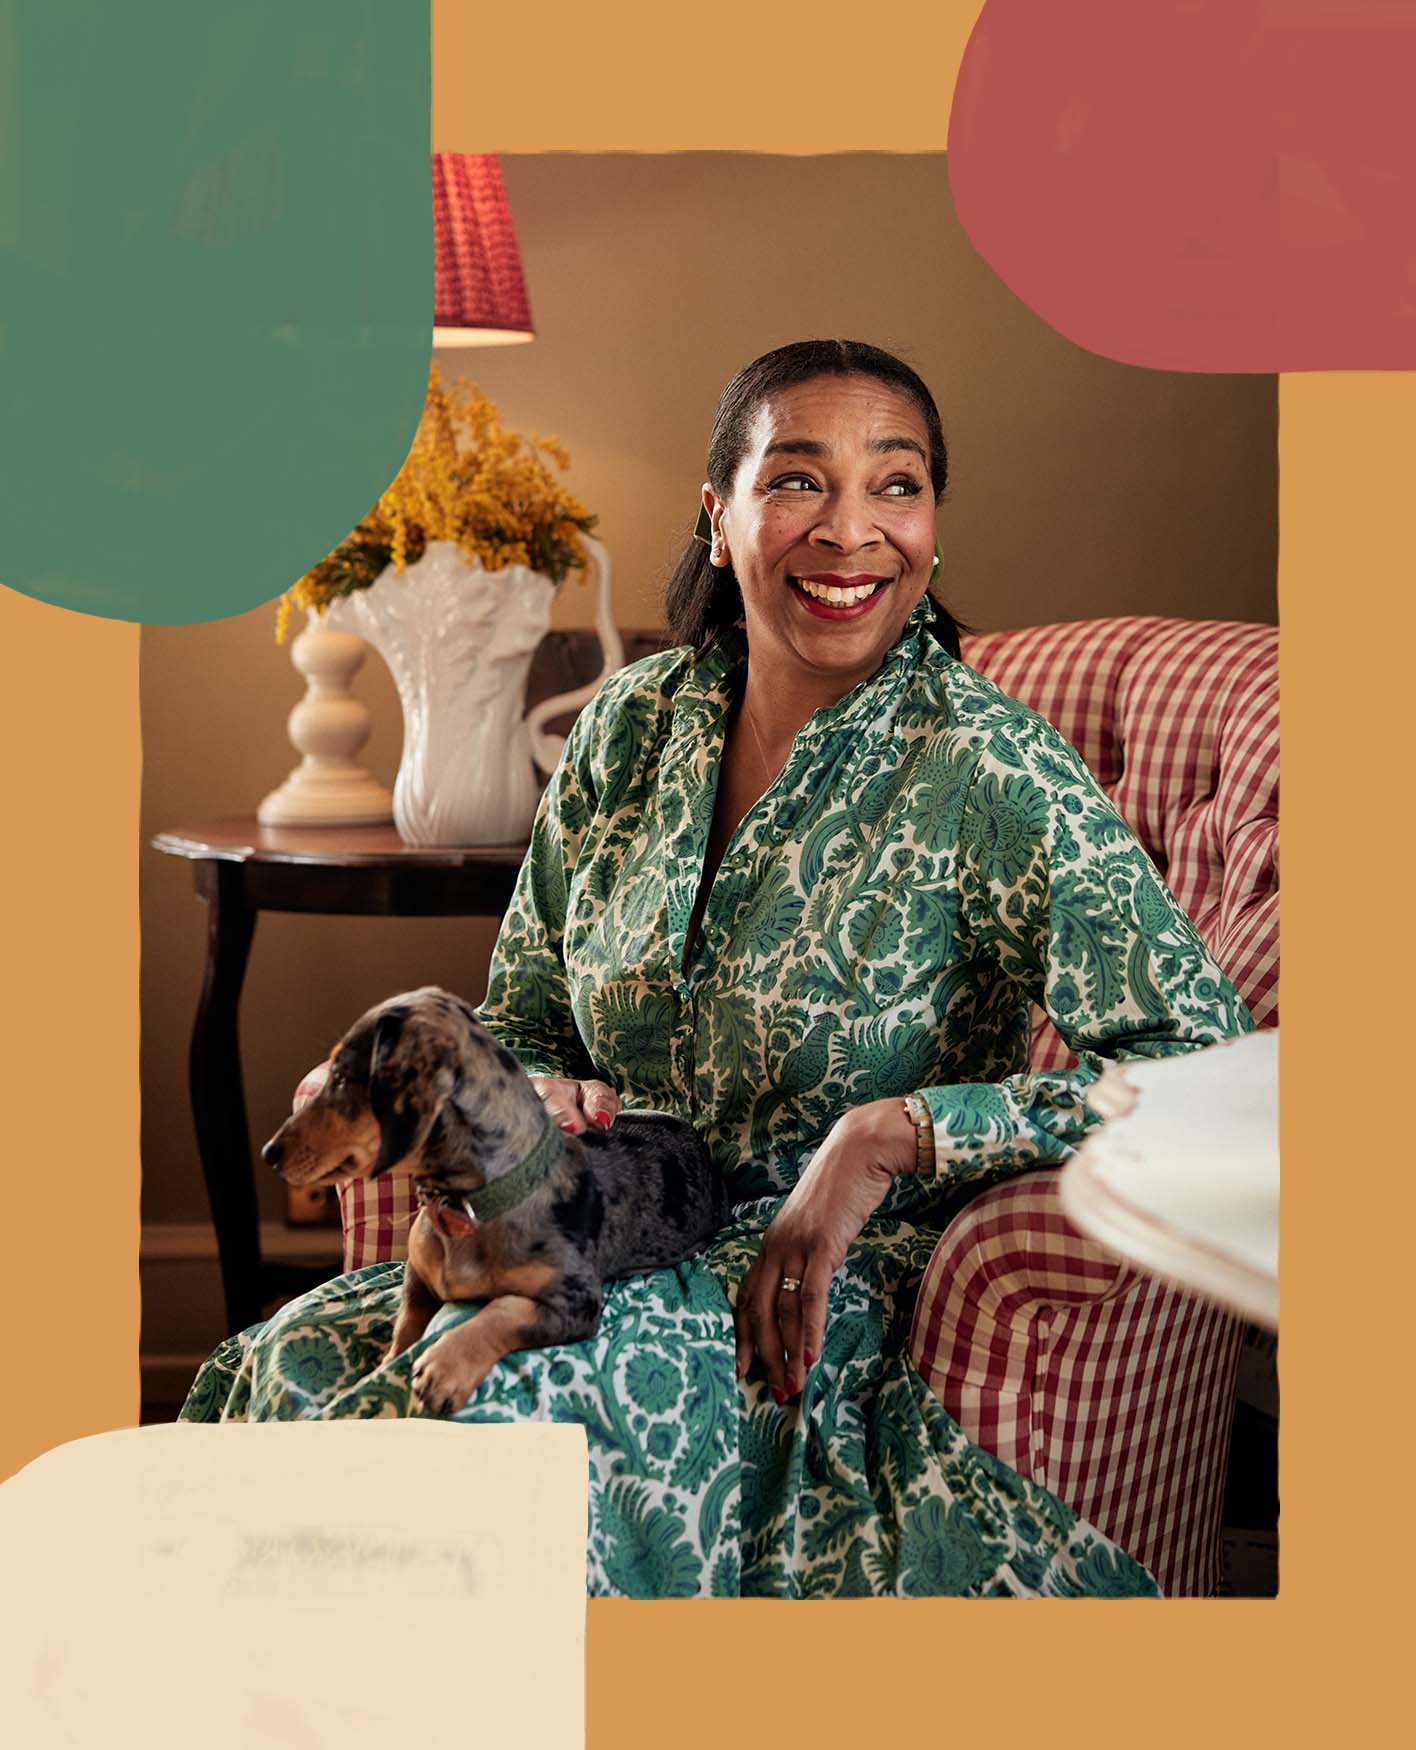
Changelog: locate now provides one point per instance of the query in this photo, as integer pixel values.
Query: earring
(704, 531)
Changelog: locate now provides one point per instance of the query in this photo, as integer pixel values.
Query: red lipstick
(823, 610)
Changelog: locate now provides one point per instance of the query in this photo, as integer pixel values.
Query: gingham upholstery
(1107, 1387)
(376, 1218)
(1112, 1390)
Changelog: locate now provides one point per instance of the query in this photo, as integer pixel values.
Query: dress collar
(713, 679)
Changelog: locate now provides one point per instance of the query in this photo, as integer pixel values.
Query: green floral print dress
(931, 860)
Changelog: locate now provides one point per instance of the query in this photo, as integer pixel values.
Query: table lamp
(479, 295)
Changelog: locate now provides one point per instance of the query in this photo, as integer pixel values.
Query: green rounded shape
(215, 294)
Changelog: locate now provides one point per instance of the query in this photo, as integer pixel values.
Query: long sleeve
(527, 1006)
(1061, 901)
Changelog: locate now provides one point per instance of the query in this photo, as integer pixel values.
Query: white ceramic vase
(458, 641)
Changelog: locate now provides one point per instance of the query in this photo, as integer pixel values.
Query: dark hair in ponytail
(700, 598)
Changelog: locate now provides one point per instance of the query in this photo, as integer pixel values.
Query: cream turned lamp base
(329, 727)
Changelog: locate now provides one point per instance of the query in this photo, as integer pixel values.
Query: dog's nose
(273, 1153)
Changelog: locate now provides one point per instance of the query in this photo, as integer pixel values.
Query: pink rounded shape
(1198, 185)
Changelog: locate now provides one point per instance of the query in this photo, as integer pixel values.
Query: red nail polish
(779, 1394)
(603, 1120)
(565, 1125)
(810, 1359)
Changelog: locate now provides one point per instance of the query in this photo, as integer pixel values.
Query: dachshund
(513, 1211)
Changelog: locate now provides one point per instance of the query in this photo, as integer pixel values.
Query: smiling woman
(868, 446)
(798, 881)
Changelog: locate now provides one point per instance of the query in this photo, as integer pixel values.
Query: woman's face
(833, 495)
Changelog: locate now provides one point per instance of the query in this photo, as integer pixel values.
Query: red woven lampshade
(479, 296)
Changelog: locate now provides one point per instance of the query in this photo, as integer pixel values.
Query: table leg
(218, 1096)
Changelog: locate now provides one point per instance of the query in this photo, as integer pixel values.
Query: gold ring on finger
(791, 1284)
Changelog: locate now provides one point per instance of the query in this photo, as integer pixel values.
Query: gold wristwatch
(925, 1166)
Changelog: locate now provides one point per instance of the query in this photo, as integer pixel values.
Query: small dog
(513, 1210)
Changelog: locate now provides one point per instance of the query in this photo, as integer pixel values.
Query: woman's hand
(808, 1238)
(573, 1105)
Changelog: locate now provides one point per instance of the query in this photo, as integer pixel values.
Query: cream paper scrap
(297, 1586)
(1197, 1149)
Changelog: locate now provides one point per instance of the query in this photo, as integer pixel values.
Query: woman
(799, 880)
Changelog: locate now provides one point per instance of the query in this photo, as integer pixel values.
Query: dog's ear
(405, 1094)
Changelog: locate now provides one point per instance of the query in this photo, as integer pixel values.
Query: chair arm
(1106, 1386)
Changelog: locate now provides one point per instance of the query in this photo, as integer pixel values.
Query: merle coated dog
(513, 1211)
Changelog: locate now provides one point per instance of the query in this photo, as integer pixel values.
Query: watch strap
(926, 1165)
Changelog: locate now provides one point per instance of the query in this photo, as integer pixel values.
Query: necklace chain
(767, 772)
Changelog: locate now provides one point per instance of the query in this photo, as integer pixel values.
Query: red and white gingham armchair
(1110, 1389)
(1107, 1387)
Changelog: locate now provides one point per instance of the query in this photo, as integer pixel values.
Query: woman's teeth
(841, 598)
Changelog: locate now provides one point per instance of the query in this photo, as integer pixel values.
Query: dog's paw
(442, 1383)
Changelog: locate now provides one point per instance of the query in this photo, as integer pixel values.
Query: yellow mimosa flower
(465, 479)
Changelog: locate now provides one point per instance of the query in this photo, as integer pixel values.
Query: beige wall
(1080, 488)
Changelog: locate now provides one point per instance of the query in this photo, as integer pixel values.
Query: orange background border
(1322, 1656)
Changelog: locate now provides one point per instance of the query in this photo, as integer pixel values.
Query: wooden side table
(242, 869)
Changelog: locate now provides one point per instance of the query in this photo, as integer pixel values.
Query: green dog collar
(515, 1187)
